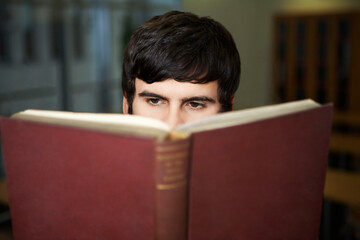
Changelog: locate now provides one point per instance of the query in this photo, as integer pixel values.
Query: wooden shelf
(340, 142)
(343, 187)
(349, 118)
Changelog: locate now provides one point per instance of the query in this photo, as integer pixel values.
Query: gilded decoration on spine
(172, 165)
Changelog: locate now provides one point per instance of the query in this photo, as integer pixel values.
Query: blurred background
(67, 55)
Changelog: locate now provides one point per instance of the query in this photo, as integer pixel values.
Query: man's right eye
(154, 101)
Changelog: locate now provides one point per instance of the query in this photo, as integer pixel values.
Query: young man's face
(174, 102)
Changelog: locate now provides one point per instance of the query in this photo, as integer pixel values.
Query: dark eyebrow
(199, 98)
(150, 94)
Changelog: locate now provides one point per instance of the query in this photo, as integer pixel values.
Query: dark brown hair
(185, 47)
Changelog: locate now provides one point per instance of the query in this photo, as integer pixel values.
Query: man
(179, 67)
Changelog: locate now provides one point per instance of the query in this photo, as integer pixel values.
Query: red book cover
(262, 180)
(68, 183)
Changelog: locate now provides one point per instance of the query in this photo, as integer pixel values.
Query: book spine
(301, 48)
(344, 50)
(171, 184)
(323, 58)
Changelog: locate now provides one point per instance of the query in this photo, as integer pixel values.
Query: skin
(174, 102)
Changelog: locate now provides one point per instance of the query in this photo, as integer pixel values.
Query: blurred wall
(250, 23)
(67, 55)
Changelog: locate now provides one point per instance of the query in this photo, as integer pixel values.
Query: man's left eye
(196, 105)
(154, 101)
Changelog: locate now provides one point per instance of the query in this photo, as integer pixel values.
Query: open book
(113, 176)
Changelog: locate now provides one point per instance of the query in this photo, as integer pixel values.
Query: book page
(245, 116)
(110, 122)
